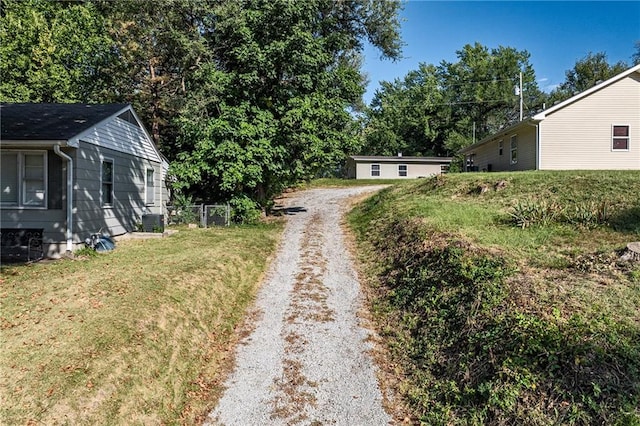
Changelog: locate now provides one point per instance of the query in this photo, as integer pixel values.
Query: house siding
(578, 136)
(53, 221)
(129, 174)
(390, 170)
(488, 158)
(122, 136)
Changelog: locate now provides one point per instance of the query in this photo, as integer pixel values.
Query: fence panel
(177, 215)
(217, 215)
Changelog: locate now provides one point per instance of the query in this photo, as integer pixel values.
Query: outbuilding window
(500, 145)
(514, 149)
(402, 170)
(107, 182)
(23, 178)
(620, 138)
(375, 170)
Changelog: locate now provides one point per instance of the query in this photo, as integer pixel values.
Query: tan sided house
(70, 170)
(598, 129)
(380, 167)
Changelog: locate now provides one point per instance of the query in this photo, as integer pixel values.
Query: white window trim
(513, 149)
(113, 182)
(406, 170)
(500, 146)
(628, 138)
(21, 188)
(146, 188)
(371, 168)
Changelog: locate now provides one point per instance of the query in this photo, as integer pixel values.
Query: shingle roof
(401, 159)
(45, 122)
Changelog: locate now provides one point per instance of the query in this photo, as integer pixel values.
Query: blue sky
(555, 33)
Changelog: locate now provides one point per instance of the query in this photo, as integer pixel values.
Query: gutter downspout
(69, 160)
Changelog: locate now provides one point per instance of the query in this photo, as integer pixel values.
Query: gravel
(307, 359)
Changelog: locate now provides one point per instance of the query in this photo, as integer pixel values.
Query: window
(402, 170)
(149, 188)
(107, 182)
(500, 145)
(514, 149)
(620, 138)
(23, 178)
(375, 170)
(471, 159)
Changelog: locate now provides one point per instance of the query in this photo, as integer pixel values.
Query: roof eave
(35, 143)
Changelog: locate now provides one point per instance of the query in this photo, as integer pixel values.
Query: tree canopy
(248, 97)
(272, 108)
(434, 109)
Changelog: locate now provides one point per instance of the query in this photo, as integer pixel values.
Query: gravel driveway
(307, 359)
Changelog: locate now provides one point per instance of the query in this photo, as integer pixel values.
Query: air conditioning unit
(153, 223)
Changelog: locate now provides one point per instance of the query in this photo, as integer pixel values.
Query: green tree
(405, 116)
(159, 46)
(434, 109)
(586, 73)
(53, 52)
(636, 55)
(272, 106)
(480, 89)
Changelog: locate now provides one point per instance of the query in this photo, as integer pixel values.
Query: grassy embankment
(503, 299)
(139, 335)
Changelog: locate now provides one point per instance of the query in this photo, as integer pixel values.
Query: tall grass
(135, 336)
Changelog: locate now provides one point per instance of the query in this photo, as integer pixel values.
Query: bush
(244, 210)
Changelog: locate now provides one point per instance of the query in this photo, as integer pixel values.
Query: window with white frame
(620, 138)
(149, 187)
(23, 178)
(500, 146)
(107, 182)
(402, 170)
(375, 170)
(514, 149)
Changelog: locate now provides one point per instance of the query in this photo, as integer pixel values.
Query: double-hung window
(402, 170)
(375, 170)
(107, 182)
(514, 149)
(23, 178)
(500, 145)
(149, 188)
(620, 138)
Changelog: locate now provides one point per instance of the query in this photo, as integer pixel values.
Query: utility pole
(474, 132)
(521, 102)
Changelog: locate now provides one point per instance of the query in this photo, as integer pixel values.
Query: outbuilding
(400, 167)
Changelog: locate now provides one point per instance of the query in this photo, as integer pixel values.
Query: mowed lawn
(140, 335)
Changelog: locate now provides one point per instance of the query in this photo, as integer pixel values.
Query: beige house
(378, 167)
(598, 129)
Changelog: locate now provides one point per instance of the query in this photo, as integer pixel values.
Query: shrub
(244, 210)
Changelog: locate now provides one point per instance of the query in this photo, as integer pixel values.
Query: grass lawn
(139, 335)
(503, 297)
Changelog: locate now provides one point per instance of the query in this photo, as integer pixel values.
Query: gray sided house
(379, 167)
(598, 129)
(70, 170)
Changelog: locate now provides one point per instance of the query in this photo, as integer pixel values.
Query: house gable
(122, 132)
(579, 135)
